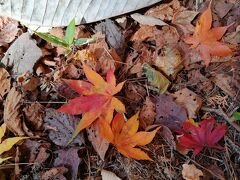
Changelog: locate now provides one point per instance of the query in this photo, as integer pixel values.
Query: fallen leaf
(190, 172)
(7, 144)
(221, 7)
(124, 136)
(69, 159)
(183, 20)
(147, 20)
(169, 113)
(164, 12)
(8, 30)
(197, 136)
(54, 173)
(169, 61)
(42, 155)
(224, 81)
(34, 116)
(12, 115)
(61, 127)
(206, 40)
(5, 82)
(147, 114)
(188, 99)
(97, 100)
(99, 143)
(155, 78)
(22, 55)
(31, 84)
(114, 35)
(107, 175)
(167, 135)
(134, 92)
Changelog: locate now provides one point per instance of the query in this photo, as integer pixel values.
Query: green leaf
(156, 78)
(52, 39)
(70, 32)
(83, 41)
(236, 116)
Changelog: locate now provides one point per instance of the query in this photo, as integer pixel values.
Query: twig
(220, 112)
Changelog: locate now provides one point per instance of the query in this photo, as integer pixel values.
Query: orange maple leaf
(124, 136)
(206, 40)
(96, 100)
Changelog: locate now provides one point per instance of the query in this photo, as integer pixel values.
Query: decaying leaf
(167, 134)
(197, 136)
(169, 113)
(61, 127)
(147, 114)
(224, 82)
(7, 144)
(8, 30)
(69, 159)
(22, 55)
(5, 82)
(97, 100)
(34, 116)
(190, 172)
(55, 173)
(124, 136)
(183, 20)
(169, 61)
(99, 143)
(206, 40)
(107, 175)
(148, 20)
(156, 78)
(188, 99)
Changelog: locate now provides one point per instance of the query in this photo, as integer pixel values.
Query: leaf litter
(164, 80)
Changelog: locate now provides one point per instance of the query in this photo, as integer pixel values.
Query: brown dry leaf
(42, 155)
(224, 81)
(145, 33)
(221, 7)
(59, 32)
(233, 37)
(167, 134)
(183, 20)
(147, 114)
(5, 82)
(190, 172)
(169, 61)
(11, 115)
(8, 30)
(99, 144)
(148, 20)
(190, 100)
(164, 12)
(30, 84)
(169, 113)
(134, 92)
(34, 116)
(107, 175)
(55, 173)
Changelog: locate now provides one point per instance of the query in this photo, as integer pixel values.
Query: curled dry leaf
(107, 175)
(169, 61)
(147, 114)
(22, 55)
(5, 82)
(69, 159)
(183, 20)
(99, 143)
(188, 99)
(8, 30)
(155, 78)
(61, 127)
(34, 116)
(190, 172)
(169, 113)
(12, 115)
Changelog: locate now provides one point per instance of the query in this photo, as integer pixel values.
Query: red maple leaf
(197, 136)
(97, 98)
(206, 40)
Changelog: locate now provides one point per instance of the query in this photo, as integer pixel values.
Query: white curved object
(60, 12)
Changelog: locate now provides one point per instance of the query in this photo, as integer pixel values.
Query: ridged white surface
(61, 12)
